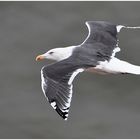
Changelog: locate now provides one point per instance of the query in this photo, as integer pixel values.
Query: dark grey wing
(103, 34)
(101, 31)
(57, 81)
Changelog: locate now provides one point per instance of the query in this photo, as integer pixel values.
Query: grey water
(103, 106)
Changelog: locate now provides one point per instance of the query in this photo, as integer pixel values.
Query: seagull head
(56, 54)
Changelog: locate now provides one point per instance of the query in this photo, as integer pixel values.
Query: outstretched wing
(57, 86)
(101, 33)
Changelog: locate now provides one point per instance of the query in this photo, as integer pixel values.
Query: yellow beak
(40, 57)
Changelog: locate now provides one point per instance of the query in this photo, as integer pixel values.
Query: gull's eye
(51, 52)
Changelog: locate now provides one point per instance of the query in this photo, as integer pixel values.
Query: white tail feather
(118, 66)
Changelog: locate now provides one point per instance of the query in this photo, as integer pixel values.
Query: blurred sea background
(103, 106)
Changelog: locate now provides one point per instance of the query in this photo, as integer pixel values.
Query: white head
(56, 54)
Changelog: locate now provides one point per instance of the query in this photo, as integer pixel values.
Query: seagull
(96, 54)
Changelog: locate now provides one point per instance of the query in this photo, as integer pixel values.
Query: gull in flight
(96, 54)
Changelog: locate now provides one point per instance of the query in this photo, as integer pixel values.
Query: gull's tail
(118, 66)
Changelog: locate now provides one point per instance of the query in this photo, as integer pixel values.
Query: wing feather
(101, 33)
(57, 85)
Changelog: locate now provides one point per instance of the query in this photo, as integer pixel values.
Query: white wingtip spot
(66, 115)
(66, 119)
(53, 104)
(119, 27)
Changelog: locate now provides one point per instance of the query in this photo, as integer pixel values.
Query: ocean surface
(103, 106)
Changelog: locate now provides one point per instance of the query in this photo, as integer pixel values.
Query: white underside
(118, 66)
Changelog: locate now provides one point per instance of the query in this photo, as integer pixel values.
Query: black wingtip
(62, 112)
